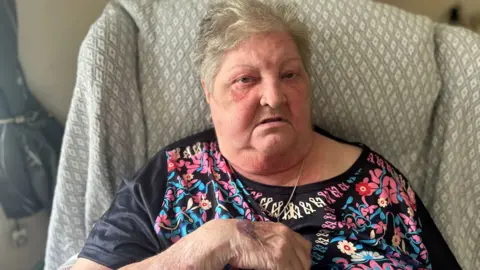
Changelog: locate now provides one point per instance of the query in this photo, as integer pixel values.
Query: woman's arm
(206, 248)
(241, 243)
(88, 264)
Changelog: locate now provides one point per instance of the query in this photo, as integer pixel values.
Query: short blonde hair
(228, 23)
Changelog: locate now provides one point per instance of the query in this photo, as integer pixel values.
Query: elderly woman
(263, 189)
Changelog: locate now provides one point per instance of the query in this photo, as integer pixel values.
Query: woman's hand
(240, 243)
(265, 245)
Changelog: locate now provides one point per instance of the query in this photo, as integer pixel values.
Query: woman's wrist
(209, 247)
(220, 235)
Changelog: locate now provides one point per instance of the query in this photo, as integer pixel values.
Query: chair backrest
(375, 77)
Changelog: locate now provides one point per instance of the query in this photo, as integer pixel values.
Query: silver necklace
(289, 199)
(277, 217)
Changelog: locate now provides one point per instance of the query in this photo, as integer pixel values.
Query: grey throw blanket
(400, 83)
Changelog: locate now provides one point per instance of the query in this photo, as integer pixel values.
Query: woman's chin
(274, 143)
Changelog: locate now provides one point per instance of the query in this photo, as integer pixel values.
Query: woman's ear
(205, 91)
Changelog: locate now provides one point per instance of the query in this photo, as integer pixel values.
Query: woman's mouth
(271, 120)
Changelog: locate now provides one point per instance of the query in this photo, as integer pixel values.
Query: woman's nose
(272, 94)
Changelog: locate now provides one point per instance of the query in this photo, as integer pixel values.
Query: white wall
(438, 10)
(24, 258)
(50, 33)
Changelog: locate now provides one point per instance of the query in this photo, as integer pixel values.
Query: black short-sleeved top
(366, 218)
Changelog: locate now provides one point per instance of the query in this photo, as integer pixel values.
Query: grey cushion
(382, 76)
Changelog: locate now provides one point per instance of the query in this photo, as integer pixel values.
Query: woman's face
(261, 97)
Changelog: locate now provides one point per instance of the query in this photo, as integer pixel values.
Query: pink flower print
(409, 221)
(392, 190)
(194, 165)
(424, 252)
(173, 164)
(416, 238)
(201, 161)
(174, 155)
(206, 146)
(368, 210)
(248, 211)
(197, 198)
(389, 186)
(163, 219)
(237, 199)
(169, 196)
(375, 265)
(248, 214)
(232, 190)
(224, 184)
(344, 262)
(219, 196)
(255, 194)
(188, 181)
(350, 223)
(213, 147)
(175, 238)
(207, 165)
(186, 184)
(375, 176)
(360, 222)
(398, 231)
(222, 164)
(380, 227)
(409, 198)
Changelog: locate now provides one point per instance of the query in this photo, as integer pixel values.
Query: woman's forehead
(263, 49)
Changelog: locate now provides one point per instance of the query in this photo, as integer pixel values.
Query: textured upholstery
(405, 86)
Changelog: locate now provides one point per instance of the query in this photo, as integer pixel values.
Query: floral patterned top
(366, 218)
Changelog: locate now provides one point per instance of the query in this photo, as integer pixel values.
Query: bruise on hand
(247, 228)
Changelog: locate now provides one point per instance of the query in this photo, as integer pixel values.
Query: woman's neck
(278, 170)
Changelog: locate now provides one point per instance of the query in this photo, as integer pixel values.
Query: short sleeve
(440, 254)
(413, 212)
(125, 234)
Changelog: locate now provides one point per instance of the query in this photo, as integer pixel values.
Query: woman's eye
(289, 75)
(244, 80)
